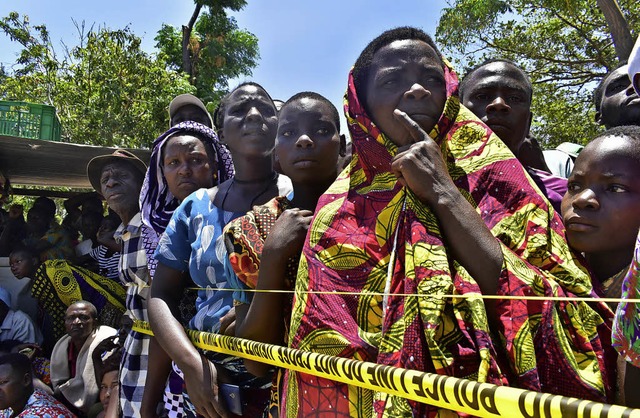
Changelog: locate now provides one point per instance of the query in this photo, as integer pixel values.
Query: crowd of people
(263, 222)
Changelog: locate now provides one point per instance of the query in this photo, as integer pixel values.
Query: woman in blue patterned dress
(192, 245)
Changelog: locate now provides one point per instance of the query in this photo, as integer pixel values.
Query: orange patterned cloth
(367, 221)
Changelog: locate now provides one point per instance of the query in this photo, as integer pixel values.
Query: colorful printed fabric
(245, 237)
(626, 325)
(40, 405)
(367, 218)
(156, 201)
(60, 241)
(135, 275)
(107, 264)
(57, 284)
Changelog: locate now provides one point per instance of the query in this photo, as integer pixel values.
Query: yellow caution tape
(415, 295)
(479, 399)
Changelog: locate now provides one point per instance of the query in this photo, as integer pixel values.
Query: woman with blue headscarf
(185, 158)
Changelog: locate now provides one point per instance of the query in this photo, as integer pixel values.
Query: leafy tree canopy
(107, 91)
(565, 46)
(210, 49)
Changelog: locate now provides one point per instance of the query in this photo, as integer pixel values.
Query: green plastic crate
(28, 120)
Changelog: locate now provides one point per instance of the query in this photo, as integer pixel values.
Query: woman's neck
(306, 196)
(605, 265)
(253, 172)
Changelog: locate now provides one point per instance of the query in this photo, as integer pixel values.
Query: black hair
(20, 364)
(465, 80)
(218, 114)
(47, 205)
(627, 131)
(26, 250)
(599, 91)
(315, 96)
(363, 63)
(206, 142)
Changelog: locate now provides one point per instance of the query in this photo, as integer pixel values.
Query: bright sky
(304, 45)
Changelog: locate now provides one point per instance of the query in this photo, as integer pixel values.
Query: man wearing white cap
(187, 107)
(16, 325)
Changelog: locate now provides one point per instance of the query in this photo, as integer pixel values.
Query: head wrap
(370, 235)
(157, 203)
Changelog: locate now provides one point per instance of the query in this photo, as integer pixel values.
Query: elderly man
(118, 177)
(18, 397)
(72, 374)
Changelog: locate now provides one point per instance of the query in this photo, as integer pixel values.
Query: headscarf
(368, 220)
(157, 203)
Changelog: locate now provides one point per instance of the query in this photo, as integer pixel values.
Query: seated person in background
(187, 107)
(16, 325)
(104, 258)
(616, 100)
(72, 372)
(109, 384)
(89, 225)
(81, 204)
(50, 240)
(14, 232)
(56, 284)
(308, 148)
(20, 399)
(499, 93)
(433, 205)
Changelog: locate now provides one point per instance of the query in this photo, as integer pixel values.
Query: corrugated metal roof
(46, 163)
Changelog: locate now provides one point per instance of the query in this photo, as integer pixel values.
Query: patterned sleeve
(174, 247)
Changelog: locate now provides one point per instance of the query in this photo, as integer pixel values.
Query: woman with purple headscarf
(185, 158)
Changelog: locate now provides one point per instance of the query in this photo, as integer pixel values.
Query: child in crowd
(601, 208)
(601, 212)
(308, 149)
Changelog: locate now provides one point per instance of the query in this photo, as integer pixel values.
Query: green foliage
(218, 50)
(107, 91)
(565, 46)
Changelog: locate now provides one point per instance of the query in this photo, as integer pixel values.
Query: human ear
(529, 124)
(598, 117)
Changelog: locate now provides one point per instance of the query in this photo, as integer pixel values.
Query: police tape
(461, 395)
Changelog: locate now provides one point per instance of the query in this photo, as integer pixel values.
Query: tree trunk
(186, 37)
(620, 33)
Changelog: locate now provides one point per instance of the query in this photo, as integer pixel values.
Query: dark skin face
(406, 75)
(37, 222)
(308, 142)
(120, 185)
(15, 389)
(190, 112)
(22, 264)
(79, 322)
(620, 104)
(497, 94)
(250, 122)
(186, 166)
(601, 209)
